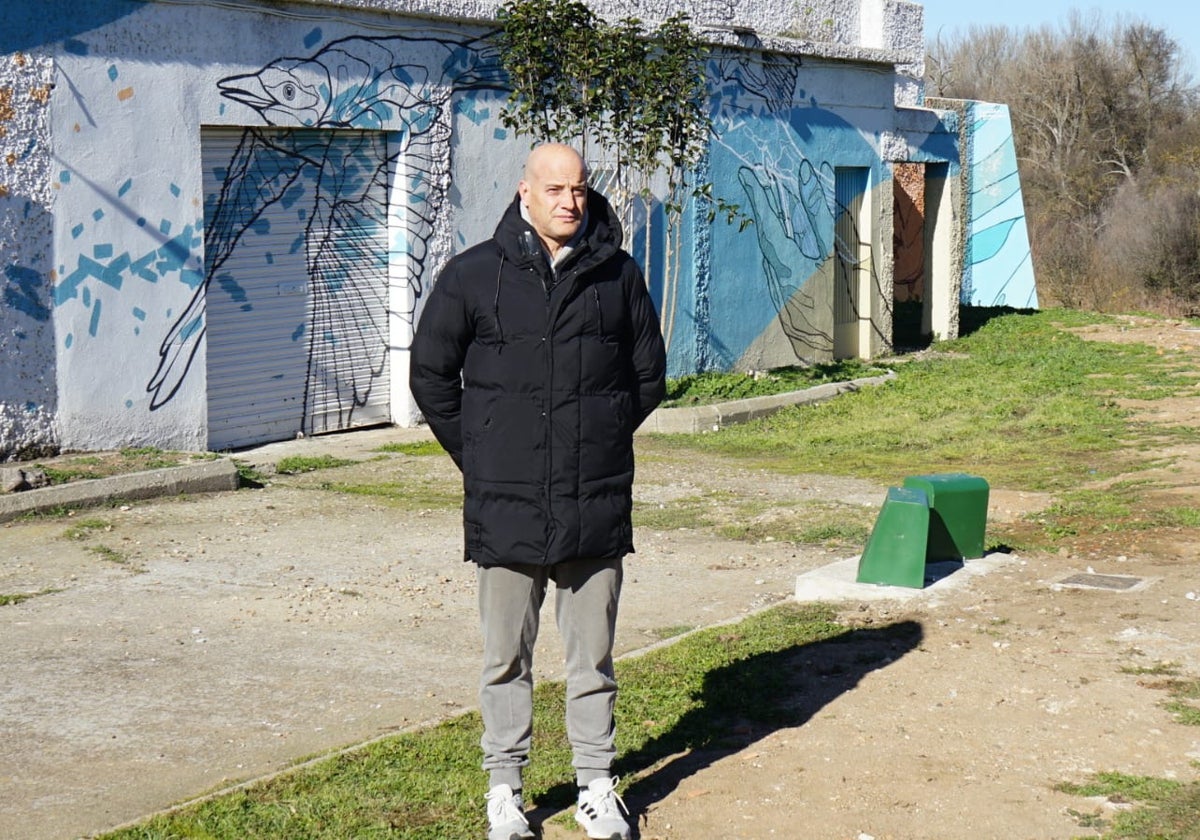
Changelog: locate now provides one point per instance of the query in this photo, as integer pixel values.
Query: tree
(633, 96)
(1101, 112)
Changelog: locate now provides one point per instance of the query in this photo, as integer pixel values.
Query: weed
(415, 448)
(1158, 669)
(413, 494)
(17, 598)
(249, 475)
(295, 464)
(87, 528)
(1185, 713)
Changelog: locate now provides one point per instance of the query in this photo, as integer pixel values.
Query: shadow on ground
(746, 701)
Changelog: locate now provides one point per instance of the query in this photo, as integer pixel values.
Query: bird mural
(399, 84)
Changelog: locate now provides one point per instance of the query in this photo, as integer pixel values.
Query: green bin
(958, 506)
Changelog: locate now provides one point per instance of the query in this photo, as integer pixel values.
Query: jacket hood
(601, 239)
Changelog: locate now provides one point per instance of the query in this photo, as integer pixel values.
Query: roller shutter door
(296, 300)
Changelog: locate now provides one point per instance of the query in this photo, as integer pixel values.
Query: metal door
(296, 282)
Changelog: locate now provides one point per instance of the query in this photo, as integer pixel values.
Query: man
(537, 355)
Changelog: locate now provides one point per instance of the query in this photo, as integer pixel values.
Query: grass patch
(812, 523)
(1182, 697)
(414, 448)
(412, 494)
(705, 388)
(756, 520)
(1021, 401)
(87, 528)
(8, 600)
(1168, 808)
(81, 466)
(709, 694)
(1156, 670)
(296, 464)
(111, 555)
(249, 475)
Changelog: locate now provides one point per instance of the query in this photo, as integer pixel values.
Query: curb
(206, 477)
(711, 418)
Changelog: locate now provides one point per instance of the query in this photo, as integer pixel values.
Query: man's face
(554, 191)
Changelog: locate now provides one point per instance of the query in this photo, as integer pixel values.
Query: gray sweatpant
(510, 602)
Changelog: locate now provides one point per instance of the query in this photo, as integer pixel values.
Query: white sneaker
(506, 815)
(599, 811)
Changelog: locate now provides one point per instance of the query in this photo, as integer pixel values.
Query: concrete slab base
(837, 581)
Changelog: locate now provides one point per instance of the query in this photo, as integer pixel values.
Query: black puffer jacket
(555, 376)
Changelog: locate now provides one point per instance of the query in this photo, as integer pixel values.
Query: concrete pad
(837, 581)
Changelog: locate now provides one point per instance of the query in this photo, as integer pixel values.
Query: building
(218, 218)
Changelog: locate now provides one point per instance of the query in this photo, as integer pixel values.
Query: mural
(779, 153)
(998, 267)
(122, 257)
(400, 84)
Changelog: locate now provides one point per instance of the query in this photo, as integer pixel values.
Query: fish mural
(399, 84)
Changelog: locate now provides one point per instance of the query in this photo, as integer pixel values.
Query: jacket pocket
(504, 438)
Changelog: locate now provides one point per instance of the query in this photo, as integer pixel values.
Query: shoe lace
(605, 801)
(504, 806)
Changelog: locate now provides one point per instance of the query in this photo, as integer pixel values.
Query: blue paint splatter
(140, 314)
(95, 322)
(129, 403)
(102, 252)
(77, 231)
(142, 269)
(64, 177)
(175, 191)
(75, 47)
(70, 339)
(313, 38)
(164, 227)
(112, 72)
(298, 333)
(114, 271)
(97, 215)
(124, 188)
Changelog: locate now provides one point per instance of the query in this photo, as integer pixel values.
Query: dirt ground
(185, 645)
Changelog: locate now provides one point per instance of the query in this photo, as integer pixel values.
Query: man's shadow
(747, 700)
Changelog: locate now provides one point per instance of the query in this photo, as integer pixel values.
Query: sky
(1179, 18)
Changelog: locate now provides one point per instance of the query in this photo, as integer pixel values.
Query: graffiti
(402, 85)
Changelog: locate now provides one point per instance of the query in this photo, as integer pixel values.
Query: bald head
(552, 156)
(554, 192)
